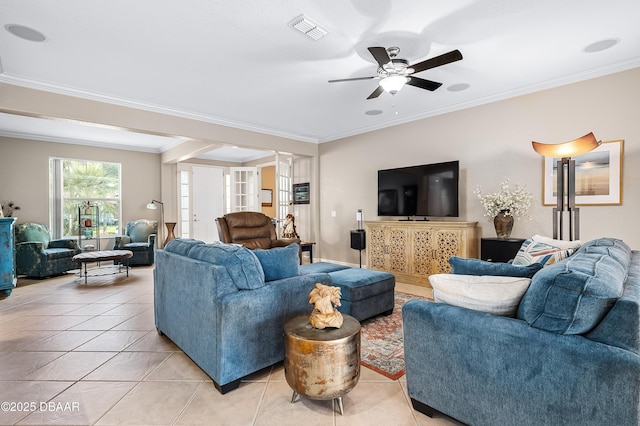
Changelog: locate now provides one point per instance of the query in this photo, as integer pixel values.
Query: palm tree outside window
(74, 182)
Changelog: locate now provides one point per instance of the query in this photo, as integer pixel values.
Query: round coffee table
(321, 364)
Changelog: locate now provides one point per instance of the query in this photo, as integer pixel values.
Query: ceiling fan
(394, 72)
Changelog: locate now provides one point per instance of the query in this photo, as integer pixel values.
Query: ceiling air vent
(308, 27)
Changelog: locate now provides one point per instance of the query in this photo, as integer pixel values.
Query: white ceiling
(240, 64)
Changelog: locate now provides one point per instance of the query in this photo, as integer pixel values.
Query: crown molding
(48, 87)
(524, 90)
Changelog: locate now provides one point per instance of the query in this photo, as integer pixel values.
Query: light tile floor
(77, 354)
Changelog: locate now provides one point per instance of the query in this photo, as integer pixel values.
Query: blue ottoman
(364, 293)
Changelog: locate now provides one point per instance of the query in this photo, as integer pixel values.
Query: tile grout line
(262, 397)
(188, 403)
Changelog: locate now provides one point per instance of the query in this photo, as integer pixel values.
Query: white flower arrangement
(513, 202)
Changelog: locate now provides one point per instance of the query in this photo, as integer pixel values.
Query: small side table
(321, 364)
(307, 246)
(499, 249)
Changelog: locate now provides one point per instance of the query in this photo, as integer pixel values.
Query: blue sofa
(225, 305)
(571, 356)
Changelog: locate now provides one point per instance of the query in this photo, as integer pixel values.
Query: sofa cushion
(572, 296)
(279, 262)
(461, 266)
(359, 284)
(243, 266)
(58, 253)
(28, 232)
(136, 246)
(497, 295)
(139, 230)
(181, 246)
(320, 267)
(533, 251)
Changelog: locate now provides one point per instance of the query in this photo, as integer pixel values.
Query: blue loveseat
(571, 356)
(212, 301)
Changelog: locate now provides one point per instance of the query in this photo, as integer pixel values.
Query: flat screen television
(429, 190)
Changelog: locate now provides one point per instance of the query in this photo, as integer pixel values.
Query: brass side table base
(338, 400)
(322, 364)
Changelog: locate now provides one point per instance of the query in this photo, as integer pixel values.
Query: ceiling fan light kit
(395, 72)
(394, 83)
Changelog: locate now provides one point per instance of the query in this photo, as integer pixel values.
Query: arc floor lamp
(566, 188)
(153, 206)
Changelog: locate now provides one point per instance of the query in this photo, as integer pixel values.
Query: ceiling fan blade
(437, 61)
(423, 84)
(352, 79)
(376, 92)
(380, 55)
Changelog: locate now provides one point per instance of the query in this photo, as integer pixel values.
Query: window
(74, 182)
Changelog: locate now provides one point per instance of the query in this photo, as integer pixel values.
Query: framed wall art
(301, 193)
(598, 176)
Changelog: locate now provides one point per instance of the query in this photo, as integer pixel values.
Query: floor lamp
(153, 206)
(566, 188)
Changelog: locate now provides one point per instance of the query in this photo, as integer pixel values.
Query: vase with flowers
(504, 205)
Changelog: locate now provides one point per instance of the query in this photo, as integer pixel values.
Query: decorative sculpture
(290, 227)
(325, 300)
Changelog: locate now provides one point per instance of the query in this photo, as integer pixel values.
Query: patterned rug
(382, 342)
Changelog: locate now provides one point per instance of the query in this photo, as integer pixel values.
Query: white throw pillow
(495, 295)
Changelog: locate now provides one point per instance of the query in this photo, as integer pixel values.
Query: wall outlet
(333, 213)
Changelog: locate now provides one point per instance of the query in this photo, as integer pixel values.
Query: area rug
(382, 342)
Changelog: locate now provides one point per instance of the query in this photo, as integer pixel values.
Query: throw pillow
(532, 251)
(561, 244)
(279, 262)
(461, 266)
(495, 295)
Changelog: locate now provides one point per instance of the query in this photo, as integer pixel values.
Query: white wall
(491, 142)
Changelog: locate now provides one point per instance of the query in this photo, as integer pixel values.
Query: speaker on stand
(358, 236)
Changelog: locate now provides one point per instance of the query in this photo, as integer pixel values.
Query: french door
(244, 194)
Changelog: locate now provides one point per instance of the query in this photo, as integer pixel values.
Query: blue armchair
(38, 256)
(140, 239)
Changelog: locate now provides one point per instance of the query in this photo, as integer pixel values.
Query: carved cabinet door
(448, 242)
(422, 263)
(388, 247)
(398, 249)
(377, 247)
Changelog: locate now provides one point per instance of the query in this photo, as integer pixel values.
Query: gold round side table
(321, 364)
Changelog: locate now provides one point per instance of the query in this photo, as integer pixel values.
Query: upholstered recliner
(38, 256)
(254, 230)
(140, 239)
